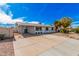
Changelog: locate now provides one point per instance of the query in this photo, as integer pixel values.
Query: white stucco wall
(31, 30)
(20, 29)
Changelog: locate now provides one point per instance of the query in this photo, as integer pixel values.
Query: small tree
(57, 24)
(65, 22)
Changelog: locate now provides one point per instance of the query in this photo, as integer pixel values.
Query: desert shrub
(76, 30)
(73, 30)
(64, 31)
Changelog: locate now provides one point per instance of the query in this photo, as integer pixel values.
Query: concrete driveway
(46, 45)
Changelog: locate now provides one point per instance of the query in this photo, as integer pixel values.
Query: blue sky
(45, 13)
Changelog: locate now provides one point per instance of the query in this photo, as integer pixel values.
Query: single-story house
(31, 28)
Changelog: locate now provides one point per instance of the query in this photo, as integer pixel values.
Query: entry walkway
(43, 45)
(18, 36)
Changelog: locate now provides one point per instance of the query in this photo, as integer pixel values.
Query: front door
(25, 31)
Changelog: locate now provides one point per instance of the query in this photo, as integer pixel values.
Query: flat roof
(30, 24)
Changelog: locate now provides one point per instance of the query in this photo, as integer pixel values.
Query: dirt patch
(6, 47)
(70, 35)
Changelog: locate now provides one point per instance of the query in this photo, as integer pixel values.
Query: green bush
(73, 30)
(64, 31)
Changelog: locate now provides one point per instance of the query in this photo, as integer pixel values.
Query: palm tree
(57, 24)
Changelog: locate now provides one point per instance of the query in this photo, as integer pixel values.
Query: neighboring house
(33, 28)
(8, 32)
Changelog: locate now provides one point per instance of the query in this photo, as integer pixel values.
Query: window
(46, 28)
(38, 28)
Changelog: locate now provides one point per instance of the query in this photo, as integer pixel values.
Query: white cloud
(7, 19)
(75, 22)
(2, 4)
(34, 22)
(74, 25)
(10, 14)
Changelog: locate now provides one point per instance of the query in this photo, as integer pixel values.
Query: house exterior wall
(32, 30)
(20, 29)
(8, 32)
(44, 30)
